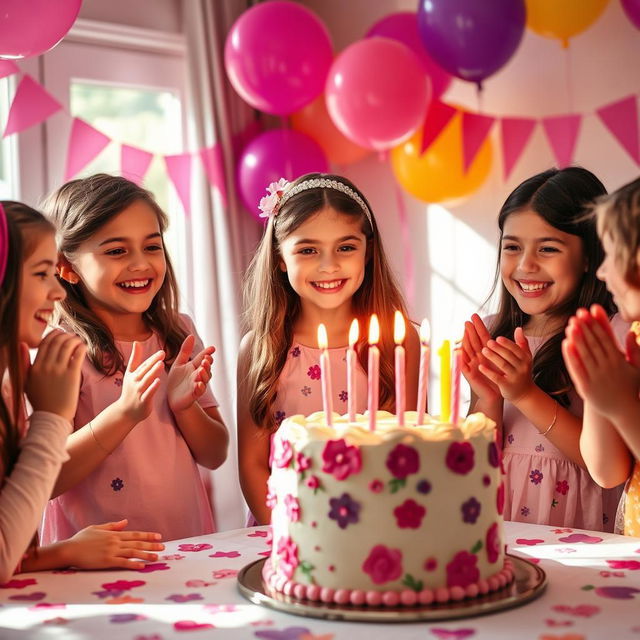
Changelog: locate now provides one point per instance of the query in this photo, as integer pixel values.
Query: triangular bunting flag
(8, 68)
(562, 133)
(134, 163)
(214, 168)
(515, 133)
(179, 170)
(621, 118)
(85, 143)
(475, 129)
(31, 105)
(438, 116)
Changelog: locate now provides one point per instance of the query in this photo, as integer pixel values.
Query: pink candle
(325, 375)
(399, 330)
(423, 378)
(455, 391)
(354, 332)
(374, 370)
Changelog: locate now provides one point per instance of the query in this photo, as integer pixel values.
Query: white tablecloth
(593, 593)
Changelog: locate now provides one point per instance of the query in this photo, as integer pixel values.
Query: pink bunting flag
(134, 163)
(621, 118)
(179, 170)
(8, 68)
(85, 143)
(438, 116)
(31, 105)
(475, 129)
(214, 168)
(562, 133)
(515, 133)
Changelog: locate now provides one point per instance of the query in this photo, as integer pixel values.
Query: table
(190, 593)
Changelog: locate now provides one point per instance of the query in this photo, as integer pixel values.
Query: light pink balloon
(31, 27)
(377, 93)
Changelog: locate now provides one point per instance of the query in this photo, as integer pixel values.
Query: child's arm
(203, 429)
(91, 444)
(511, 372)
(254, 443)
(104, 546)
(412, 368)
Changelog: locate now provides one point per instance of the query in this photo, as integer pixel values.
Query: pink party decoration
(632, 9)
(475, 129)
(30, 28)
(213, 164)
(277, 56)
(403, 27)
(377, 93)
(515, 133)
(4, 243)
(134, 163)
(31, 105)
(438, 116)
(85, 143)
(621, 118)
(8, 68)
(179, 170)
(562, 133)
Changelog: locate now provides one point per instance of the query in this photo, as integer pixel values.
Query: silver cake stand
(530, 581)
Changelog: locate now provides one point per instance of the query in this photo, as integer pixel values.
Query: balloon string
(568, 78)
(406, 242)
(480, 96)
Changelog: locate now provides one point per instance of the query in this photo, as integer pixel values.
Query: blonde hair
(272, 306)
(618, 215)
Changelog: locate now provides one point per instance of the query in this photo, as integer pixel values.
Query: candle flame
(399, 328)
(425, 332)
(374, 330)
(354, 332)
(322, 336)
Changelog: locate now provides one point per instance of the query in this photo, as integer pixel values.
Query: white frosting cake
(398, 515)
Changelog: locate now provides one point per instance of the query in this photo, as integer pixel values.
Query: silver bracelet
(553, 422)
(97, 441)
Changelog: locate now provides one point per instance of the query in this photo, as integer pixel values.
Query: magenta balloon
(632, 9)
(403, 27)
(280, 153)
(471, 39)
(377, 93)
(277, 56)
(31, 27)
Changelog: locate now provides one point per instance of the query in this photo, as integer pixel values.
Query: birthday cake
(392, 516)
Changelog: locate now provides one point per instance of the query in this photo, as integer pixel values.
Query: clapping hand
(475, 338)
(188, 378)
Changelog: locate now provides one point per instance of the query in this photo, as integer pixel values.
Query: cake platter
(529, 582)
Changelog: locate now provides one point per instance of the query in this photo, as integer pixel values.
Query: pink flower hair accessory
(269, 205)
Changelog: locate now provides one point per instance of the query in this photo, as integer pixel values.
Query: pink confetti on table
(258, 534)
(191, 625)
(123, 585)
(225, 554)
(18, 583)
(529, 542)
(581, 537)
(195, 547)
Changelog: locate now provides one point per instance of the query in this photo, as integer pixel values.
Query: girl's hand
(188, 379)
(52, 383)
(475, 338)
(140, 384)
(512, 364)
(106, 546)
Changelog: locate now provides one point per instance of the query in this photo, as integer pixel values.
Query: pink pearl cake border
(390, 598)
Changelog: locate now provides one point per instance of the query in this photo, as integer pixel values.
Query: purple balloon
(277, 56)
(632, 9)
(280, 153)
(471, 39)
(403, 27)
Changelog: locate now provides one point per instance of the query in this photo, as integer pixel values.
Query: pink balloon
(277, 56)
(377, 93)
(280, 153)
(31, 27)
(403, 27)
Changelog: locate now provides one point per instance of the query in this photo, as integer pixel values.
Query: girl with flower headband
(320, 260)
(33, 449)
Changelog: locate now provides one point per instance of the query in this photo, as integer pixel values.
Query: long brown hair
(272, 306)
(25, 227)
(561, 198)
(79, 209)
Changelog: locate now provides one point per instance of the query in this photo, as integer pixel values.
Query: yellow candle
(445, 381)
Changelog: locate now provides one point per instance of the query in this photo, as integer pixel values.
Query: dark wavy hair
(562, 198)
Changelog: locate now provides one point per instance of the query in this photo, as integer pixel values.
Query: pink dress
(151, 478)
(542, 485)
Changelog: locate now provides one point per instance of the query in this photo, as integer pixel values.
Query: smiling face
(121, 267)
(39, 290)
(540, 266)
(324, 259)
